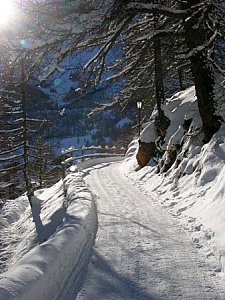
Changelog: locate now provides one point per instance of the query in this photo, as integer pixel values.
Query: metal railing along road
(69, 157)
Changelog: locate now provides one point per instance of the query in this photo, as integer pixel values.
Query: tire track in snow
(140, 251)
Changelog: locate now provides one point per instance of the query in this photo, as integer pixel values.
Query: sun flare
(6, 10)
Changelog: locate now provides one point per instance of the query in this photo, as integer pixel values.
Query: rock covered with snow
(149, 133)
(182, 111)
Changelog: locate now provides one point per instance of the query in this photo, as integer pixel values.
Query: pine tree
(41, 164)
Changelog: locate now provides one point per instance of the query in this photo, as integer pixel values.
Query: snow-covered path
(140, 252)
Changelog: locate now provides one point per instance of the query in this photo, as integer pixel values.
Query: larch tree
(15, 124)
(202, 25)
(201, 30)
(67, 26)
(14, 137)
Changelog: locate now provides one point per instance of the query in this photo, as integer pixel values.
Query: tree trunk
(196, 34)
(161, 122)
(28, 183)
(182, 81)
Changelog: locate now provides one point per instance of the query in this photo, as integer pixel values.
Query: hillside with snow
(192, 189)
(160, 230)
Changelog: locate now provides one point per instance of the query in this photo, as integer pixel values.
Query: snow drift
(53, 269)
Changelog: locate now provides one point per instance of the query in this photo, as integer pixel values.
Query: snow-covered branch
(14, 148)
(141, 7)
(105, 49)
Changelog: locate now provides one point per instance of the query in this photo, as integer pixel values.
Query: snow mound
(149, 133)
(52, 270)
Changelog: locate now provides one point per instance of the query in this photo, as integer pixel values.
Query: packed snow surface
(141, 251)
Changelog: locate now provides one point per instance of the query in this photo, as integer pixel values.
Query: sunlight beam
(6, 11)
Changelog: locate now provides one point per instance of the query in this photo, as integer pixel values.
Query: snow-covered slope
(193, 187)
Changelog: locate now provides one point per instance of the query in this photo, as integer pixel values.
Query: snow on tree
(104, 26)
(15, 125)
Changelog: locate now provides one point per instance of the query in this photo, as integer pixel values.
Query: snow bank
(52, 270)
(192, 190)
(181, 106)
(149, 133)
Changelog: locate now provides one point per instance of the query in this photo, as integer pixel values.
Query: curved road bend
(140, 252)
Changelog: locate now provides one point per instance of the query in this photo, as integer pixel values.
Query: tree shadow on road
(109, 284)
(125, 219)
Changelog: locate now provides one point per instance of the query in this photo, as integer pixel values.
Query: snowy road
(140, 251)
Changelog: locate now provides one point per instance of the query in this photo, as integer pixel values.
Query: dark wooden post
(83, 152)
